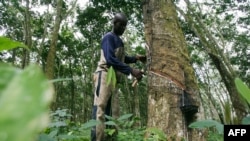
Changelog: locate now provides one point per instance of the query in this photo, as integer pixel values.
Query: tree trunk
(169, 73)
(27, 34)
(220, 61)
(49, 69)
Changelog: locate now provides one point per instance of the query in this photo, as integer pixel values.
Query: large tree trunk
(170, 72)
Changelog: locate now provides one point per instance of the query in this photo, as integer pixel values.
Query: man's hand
(141, 58)
(137, 74)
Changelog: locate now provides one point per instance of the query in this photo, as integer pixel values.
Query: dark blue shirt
(113, 50)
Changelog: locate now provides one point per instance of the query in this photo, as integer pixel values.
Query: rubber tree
(170, 74)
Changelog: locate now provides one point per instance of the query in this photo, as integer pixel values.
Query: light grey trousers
(103, 104)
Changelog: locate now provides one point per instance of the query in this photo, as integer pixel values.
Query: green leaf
(7, 72)
(45, 137)
(157, 132)
(109, 117)
(207, 123)
(58, 124)
(111, 77)
(6, 44)
(90, 124)
(110, 123)
(124, 117)
(242, 89)
(246, 120)
(111, 132)
(24, 105)
(53, 133)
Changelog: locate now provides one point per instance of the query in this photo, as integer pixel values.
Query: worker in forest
(112, 54)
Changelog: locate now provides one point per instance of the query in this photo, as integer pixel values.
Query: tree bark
(27, 34)
(220, 61)
(169, 73)
(49, 69)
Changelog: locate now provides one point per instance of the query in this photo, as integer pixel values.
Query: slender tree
(49, 69)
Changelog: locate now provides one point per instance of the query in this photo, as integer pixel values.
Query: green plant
(7, 44)
(245, 92)
(25, 96)
(111, 78)
(156, 134)
(126, 124)
(62, 129)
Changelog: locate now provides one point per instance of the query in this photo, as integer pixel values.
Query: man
(112, 54)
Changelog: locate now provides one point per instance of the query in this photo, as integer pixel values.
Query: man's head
(119, 23)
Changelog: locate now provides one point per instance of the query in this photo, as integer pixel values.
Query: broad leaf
(111, 77)
(242, 89)
(207, 123)
(109, 117)
(24, 105)
(7, 72)
(110, 123)
(6, 44)
(124, 117)
(90, 124)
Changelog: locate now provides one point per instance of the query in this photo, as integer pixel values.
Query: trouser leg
(101, 100)
(115, 104)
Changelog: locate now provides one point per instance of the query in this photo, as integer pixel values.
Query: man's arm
(108, 46)
(130, 59)
(134, 59)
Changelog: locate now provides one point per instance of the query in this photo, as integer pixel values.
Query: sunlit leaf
(6, 44)
(113, 78)
(242, 89)
(111, 132)
(7, 72)
(24, 105)
(109, 75)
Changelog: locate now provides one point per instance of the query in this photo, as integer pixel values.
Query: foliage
(156, 134)
(6, 44)
(111, 77)
(207, 124)
(62, 129)
(128, 129)
(244, 91)
(24, 99)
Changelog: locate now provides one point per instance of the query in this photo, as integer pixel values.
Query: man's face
(119, 27)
